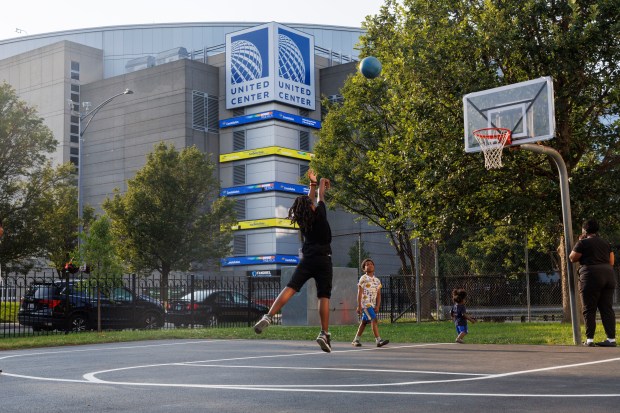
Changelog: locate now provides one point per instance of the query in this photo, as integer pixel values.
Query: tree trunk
(163, 285)
(427, 280)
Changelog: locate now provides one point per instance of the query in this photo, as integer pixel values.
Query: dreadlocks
(301, 213)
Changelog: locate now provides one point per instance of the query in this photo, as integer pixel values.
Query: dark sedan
(213, 307)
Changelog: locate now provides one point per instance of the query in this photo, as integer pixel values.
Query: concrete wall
(301, 310)
(42, 78)
(126, 130)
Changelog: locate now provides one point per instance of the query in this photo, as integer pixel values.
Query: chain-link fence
(504, 280)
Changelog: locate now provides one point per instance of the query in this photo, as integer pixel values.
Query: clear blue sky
(18, 18)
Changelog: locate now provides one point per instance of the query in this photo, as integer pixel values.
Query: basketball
(370, 67)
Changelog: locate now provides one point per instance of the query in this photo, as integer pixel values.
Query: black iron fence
(46, 303)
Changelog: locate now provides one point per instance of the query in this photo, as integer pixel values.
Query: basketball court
(290, 376)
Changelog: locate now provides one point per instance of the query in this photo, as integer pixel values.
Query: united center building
(249, 95)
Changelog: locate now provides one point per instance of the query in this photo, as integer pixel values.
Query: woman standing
(597, 282)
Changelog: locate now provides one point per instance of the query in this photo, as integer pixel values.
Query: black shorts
(317, 267)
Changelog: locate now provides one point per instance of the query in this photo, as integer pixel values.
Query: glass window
(240, 299)
(75, 139)
(223, 298)
(74, 151)
(75, 66)
(74, 160)
(75, 129)
(121, 294)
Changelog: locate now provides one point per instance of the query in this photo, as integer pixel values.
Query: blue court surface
(296, 376)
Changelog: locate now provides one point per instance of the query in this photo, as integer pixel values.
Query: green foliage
(170, 216)
(355, 252)
(434, 332)
(35, 199)
(58, 214)
(8, 311)
(98, 251)
(395, 146)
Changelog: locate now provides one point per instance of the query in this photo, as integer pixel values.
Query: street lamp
(89, 114)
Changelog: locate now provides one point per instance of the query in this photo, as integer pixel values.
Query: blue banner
(270, 115)
(265, 187)
(260, 259)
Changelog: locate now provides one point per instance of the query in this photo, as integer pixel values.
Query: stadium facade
(247, 94)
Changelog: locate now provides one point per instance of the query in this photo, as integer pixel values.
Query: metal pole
(437, 295)
(568, 229)
(527, 281)
(418, 305)
(79, 183)
(359, 254)
(90, 115)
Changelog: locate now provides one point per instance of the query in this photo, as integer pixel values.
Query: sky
(29, 17)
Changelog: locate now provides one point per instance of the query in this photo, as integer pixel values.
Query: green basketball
(370, 67)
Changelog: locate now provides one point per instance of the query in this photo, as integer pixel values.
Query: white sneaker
(356, 343)
(262, 324)
(324, 340)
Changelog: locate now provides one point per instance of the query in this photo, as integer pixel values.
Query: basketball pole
(568, 228)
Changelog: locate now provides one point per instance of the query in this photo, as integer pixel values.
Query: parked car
(212, 307)
(74, 307)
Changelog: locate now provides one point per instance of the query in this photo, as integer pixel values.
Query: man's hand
(311, 175)
(326, 183)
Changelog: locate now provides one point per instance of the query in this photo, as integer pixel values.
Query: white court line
(283, 387)
(91, 378)
(332, 369)
(21, 376)
(40, 353)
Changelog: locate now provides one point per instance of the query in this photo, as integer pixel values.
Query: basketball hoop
(492, 142)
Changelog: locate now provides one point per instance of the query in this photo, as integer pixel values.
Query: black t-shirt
(317, 241)
(594, 250)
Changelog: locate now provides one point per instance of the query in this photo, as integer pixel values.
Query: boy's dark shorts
(318, 267)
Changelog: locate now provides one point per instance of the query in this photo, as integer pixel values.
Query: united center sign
(269, 63)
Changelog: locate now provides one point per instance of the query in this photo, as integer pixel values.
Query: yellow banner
(267, 151)
(263, 223)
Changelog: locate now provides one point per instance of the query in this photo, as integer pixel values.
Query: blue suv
(76, 306)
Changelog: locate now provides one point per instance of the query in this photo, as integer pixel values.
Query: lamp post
(88, 117)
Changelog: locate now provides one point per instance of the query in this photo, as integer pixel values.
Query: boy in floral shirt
(368, 302)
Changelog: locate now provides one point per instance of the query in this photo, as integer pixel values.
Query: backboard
(526, 108)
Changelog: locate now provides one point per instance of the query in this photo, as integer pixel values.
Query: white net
(492, 142)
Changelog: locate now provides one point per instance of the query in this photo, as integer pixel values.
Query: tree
(98, 252)
(405, 128)
(357, 253)
(27, 180)
(58, 214)
(170, 216)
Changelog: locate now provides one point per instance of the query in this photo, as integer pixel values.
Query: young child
(459, 313)
(368, 302)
